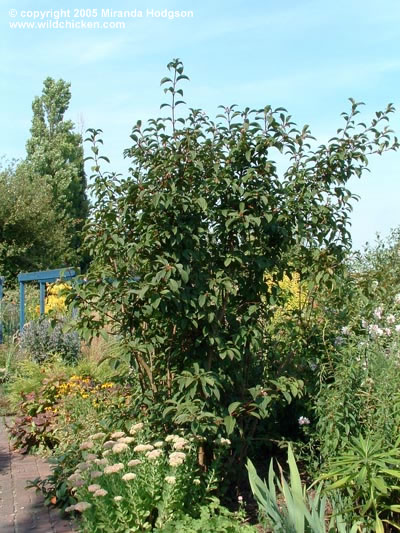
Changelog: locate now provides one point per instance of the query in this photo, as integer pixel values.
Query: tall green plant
(183, 244)
(369, 472)
(55, 153)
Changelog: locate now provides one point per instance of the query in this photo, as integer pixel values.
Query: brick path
(22, 510)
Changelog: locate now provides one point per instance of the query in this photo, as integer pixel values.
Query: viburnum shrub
(181, 248)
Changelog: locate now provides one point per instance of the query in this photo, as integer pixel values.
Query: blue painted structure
(42, 277)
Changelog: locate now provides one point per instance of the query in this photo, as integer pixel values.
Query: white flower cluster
(99, 467)
(382, 327)
(304, 421)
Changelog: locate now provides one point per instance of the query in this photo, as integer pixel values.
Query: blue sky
(308, 56)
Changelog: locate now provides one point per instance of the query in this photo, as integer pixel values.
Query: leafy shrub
(34, 427)
(188, 238)
(55, 486)
(29, 433)
(29, 376)
(41, 340)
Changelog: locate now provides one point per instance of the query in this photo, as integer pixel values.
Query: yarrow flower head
(390, 319)
(135, 428)
(158, 444)
(378, 312)
(129, 476)
(83, 466)
(101, 462)
(97, 436)
(117, 434)
(143, 448)
(120, 447)
(180, 443)
(176, 458)
(75, 477)
(171, 480)
(172, 438)
(100, 492)
(87, 445)
(134, 462)
(109, 444)
(304, 421)
(82, 506)
(126, 440)
(113, 469)
(154, 454)
(93, 488)
(95, 474)
(118, 498)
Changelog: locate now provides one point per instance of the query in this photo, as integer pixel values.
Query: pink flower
(304, 421)
(113, 469)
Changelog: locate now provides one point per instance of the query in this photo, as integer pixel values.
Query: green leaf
(230, 423)
(233, 406)
(202, 203)
(202, 300)
(338, 484)
(173, 285)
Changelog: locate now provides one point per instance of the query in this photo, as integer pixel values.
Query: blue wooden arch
(43, 277)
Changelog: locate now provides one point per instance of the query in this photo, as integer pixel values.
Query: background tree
(31, 237)
(55, 153)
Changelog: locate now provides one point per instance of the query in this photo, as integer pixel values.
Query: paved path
(22, 510)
